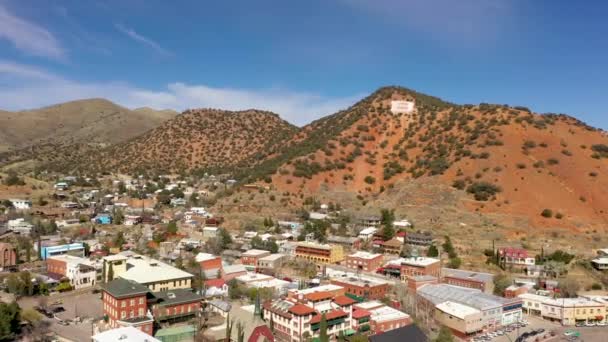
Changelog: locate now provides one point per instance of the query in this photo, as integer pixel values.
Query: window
(141, 312)
(132, 302)
(141, 300)
(123, 303)
(123, 314)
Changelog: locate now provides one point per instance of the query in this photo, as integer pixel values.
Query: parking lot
(83, 305)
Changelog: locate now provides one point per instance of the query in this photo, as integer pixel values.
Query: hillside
(507, 159)
(96, 121)
(197, 139)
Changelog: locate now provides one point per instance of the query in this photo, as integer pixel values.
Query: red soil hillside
(510, 160)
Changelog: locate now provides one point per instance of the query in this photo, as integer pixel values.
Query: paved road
(588, 334)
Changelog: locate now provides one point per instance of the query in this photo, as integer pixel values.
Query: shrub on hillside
(483, 191)
(369, 180)
(548, 213)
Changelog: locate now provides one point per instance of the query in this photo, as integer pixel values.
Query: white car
(601, 324)
(589, 324)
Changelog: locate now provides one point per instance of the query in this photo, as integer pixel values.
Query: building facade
(364, 261)
(474, 280)
(319, 254)
(420, 266)
(8, 256)
(125, 304)
(80, 271)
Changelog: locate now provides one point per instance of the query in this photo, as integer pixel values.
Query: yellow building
(156, 275)
(319, 253)
(567, 311)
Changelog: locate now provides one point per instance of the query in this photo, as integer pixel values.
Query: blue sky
(305, 59)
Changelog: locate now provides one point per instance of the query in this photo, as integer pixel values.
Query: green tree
(433, 252)
(119, 217)
(28, 286)
(9, 321)
(501, 282)
(445, 335)
(119, 240)
(225, 238)
(110, 273)
(323, 329)
(172, 228)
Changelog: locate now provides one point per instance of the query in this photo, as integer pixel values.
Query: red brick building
(474, 280)
(125, 303)
(364, 261)
(8, 256)
(251, 257)
(368, 288)
(420, 266)
(176, 305)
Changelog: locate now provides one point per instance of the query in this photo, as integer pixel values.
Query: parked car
(62, 322)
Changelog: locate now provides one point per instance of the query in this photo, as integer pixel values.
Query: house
(367, 233)
(384, 318)
(80, 271)
(370, 221)
(402, 224)
(210, 232)
(233, 271)
(20, 226)
(21, 204)
(177, 202)
(133, 220)
(392, 246)
(271, 262)
(8, 256)
(220, 307)
(515, 257)
(362, 287)
(61, 186)
(600, 263)
(345, 241)
(126, 334)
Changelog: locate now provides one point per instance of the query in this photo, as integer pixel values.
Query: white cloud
(29, 37)
(143, 40)
(29, 87)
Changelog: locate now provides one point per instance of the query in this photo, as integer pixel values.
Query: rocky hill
(506, 159)
(207, 139)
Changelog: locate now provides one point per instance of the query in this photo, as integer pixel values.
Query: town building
(319, 253)
(176, 305)
(299, 319)
(251, 257)
(126, 334)
(382, 317)
(463, 320)
(370, 221)
(419, 266)
(419, 239)
(392, 246)
(364, 261)
(156, 275)
(80, 271)
(348, 242)
(210, 264)
(367, 233)
(515, 257)
(125, 303)
(475, 280)
(8, 256)
(566, 311)
(75, 249)
(496, 311)
(233, 271)
(271, 262)
(363, 287)
(409, 333)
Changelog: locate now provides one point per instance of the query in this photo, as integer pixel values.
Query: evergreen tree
(445, 335)
(433, 252)
(110, 273)
(323, 329)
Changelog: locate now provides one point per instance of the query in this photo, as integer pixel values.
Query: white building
(21, 204)
(600, 263)
(124, 334)
(367, 233)
(80, 271)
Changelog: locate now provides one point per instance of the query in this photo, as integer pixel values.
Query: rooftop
(145, 270)
(200, 257)
(365, 255)
(301, 310)
(272, 257)
(120, 288)
(127, 334)
(344, 300)
(386, 313)
(439, 293)
(419, 261)
(471, 275)
(177, 296)
(255, 252)
(457, 310)
(368, 231)
(314, 245)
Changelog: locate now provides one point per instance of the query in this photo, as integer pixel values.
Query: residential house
(419, 239)
(8, 256)
(250, 258)
(392, 246)
(367, 233)
(21, 204)
(515, 257)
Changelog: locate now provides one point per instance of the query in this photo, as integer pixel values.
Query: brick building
(419, 266)
(8, 256)
(176, 305)
(474, 280)
(515, 257)
(383, 318)
(364, 261)
(363, 287)
(251, 257)
(79, 271)
(125, 303)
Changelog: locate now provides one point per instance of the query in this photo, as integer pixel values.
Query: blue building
(76, 249)
(103, 219)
